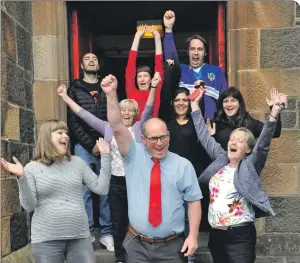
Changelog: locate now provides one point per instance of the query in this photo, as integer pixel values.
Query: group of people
(148, 157)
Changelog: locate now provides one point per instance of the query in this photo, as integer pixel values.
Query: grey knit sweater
(54, 193)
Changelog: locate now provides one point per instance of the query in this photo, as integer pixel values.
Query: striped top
(54, 193)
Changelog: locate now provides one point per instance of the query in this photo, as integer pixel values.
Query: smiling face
(143, 80)
(90, 63)
(231, 106)
(156, 138)
(181, 104)
(128, 116)
(129, 111)
(60, 140)
(196, 53)
(238, 145)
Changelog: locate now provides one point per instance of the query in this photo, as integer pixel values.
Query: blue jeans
(104, 215)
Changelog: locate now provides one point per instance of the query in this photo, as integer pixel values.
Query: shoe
(93, 239)
(108, 242)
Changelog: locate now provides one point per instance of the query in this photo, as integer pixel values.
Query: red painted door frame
(221, 36)
(220, 52)
(75, 44)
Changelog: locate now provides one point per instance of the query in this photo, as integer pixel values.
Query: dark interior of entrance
(107, 29)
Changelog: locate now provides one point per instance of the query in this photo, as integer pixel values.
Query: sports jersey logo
(211, 76)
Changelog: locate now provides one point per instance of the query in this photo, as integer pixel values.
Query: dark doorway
(107, 29)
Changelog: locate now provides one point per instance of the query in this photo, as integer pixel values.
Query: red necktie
(155, 211)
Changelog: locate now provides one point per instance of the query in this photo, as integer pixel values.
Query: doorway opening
(107, 29)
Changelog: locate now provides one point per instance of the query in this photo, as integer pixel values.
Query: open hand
(95, 150)
(109, 84)
(273, 94)
(191, 245)
(141, 30)
(212, 130)
(15, 168)
(154, 32)
(61, 90)
(103, 146)
(280, 103)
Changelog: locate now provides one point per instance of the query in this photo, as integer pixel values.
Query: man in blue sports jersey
(214, 78)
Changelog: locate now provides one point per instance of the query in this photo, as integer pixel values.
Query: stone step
(104, 256)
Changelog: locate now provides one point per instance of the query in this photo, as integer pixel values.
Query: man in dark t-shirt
(88, 94)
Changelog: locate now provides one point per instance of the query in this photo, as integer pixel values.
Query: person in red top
(142, 75)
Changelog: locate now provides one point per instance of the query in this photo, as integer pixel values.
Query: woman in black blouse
(231, 114)
(175, 110)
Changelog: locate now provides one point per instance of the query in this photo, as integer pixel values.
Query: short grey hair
(250, 139)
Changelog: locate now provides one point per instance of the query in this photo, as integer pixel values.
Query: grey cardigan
(247, 175)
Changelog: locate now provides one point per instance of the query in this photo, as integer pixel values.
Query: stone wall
(34, 47)
(17, 118)
(264, 51)
(50, 56)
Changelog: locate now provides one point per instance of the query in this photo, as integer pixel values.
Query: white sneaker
(108, 242)
(93, 239)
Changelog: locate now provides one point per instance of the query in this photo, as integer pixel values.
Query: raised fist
(109, 84)
(61, 90)
(169, 19)
(155, 80)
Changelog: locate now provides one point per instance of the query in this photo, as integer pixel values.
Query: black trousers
(117, 198)
(234, 245)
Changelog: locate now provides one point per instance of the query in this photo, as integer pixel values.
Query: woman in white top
(117, 196)
(237, 195)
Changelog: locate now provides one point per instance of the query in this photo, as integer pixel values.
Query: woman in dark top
(175, 110)
(231, 114)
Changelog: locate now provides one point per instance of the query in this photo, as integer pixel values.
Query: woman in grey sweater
(117, 196)
(236, 193)
(51, 186)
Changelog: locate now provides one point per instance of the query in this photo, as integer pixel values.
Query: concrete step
(104, 256)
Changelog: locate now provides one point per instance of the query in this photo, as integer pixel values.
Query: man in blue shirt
(156, 217)
(214, 78)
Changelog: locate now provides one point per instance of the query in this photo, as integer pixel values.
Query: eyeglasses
(162, 138)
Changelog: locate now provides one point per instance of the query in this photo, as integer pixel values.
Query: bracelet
(169, 27)
(153, 87)
(276, 118)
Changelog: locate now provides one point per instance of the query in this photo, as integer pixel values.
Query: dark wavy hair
(179, 91)
(242, 116)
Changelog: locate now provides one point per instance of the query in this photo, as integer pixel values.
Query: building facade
(263, 50)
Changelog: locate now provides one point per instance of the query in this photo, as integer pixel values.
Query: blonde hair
(129, 102)
(45, 151)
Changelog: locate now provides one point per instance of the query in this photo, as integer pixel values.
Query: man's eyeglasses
(162, 138)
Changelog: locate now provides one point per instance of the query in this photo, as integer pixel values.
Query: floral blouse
(117, 166)
(226, 206)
